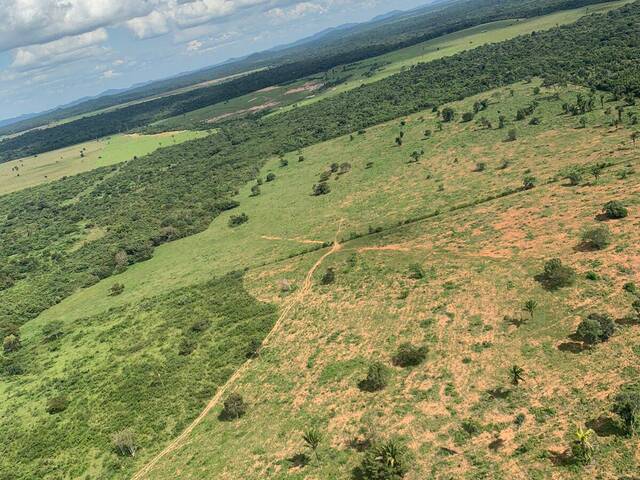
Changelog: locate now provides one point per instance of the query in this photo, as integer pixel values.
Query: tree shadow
(585, 247)
(496, 444)
(359, 444)
(299, 460)
(499, 393)
(605, 426)
(628, 321)
(560, 459)
(515, 321)
(602, 217)
(542, 279)
(572, 347)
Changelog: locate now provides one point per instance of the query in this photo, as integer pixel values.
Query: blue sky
(54, 51)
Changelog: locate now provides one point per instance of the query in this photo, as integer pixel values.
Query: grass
(479, 251)
(51, 166)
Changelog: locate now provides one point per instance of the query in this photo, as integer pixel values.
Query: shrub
(480, 167)
(467, 116)
(11, 343)
(416, 271)
(615, 210)
(116, 289)
(557, 275)
(448, 114)
(57, 404)
(596, 328)
(512, 135)
(334, 167)
(385, 461)
(187, 346)
(409, 355)
(627, 406)
(234, 407)
(597, 238)
(124, 443)
(636, 307)
(237, 220)
(271, 177)
(284, 162)
(534, 121)
(377, 378)
(255, 190)
(573, 174)
(329, 277)
(321, 188)
(529, 182)
(630, 287)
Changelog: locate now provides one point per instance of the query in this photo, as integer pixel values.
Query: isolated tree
(376, 379)
(626, 405)
(448, 114)
(124, 442)
(312, 439)
(596, 328)
(573, 174)
(11, 343)
(321, 188)
(557, 275)
(597, 238)
(502, 122)
(271, 177)
(516, 374)
(409, 355)
(582, 447)
(467, 116)
(300, 158)
(329, 277)
(530, 307)
(386, 461)
(615, 210)
(596, 171)
(529, 182)
(233, 408)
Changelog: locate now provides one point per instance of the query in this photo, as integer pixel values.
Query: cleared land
(480, 241)
(47, 167)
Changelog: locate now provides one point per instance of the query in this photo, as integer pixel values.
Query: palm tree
(312, 438)
(517, 374)
(530, 307)
(582, 447)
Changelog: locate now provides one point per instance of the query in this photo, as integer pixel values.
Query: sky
(56, 51)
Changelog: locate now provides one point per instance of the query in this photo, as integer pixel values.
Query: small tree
(596, 171)
(329, 277)
(234, 407)
(386, 461)
(321, 188)
(237, 220)
(530, 307)
(517, 374)
(57, 404)
(409, 355)
(124, 442)
(255, 190)
(581, 447)
(271, 177)
(529, 182)
(467, 116)
(502, 122)
(597, 238)
(615, 210)
(596, 328)
(312, 439)
(512, 135)
(573, 174)
(376, 379)
(627, 406)
(11, 343)
(448, 114)
(284, 162)
(557, 275)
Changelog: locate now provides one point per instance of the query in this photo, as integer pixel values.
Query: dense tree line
(177, 191)
(299, 63)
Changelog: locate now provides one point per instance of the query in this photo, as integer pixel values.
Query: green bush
(116, 289)
(557, 275)
(377, 378)
(234, 407)
(124, 442)
(615, 210)
(597, 238)
(626, 405)
(448, 114)
(57, 404)
(321, 188)
(11, 343)
(596, 328)
(328, 277)
(271, 177)
(467, 116)
(409, 355)
(389, 460)
(529, 182)
(237, 220)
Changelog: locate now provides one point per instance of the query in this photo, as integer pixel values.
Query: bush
(448, 114)
(124, 443)
(467, 116)
(630, 287)
(596, 328)
(615, 210)
(512, 135)
(557, 275)
(529, 182)
(237, 220)
(480, 167)
(329, 277)
(385, 461)
(416, 271)
(255, 190)
(233, 407)
(11, 343)
(597, 238)
(409, 355)
(187, 346)
(116, 289)
(57, 404)
(377, 378)
(284, 162)
(271, 177)
(321, 188)
(627, 406)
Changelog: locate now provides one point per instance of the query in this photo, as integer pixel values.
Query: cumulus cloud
(296, 11)
(59, 51)
(194, 46)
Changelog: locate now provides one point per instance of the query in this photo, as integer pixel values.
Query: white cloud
(194, 46)
(59, 51)
(296, 11)
(109, 74)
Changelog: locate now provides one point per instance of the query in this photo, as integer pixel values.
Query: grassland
(47, 167)
(479, 238)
